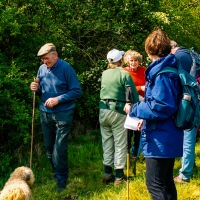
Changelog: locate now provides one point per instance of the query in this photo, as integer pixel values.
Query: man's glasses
(45, 58)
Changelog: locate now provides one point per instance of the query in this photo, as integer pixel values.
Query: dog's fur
(18, 185)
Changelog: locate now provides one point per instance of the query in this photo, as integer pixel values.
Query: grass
(86, 171)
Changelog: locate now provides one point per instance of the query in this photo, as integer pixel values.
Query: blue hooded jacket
(160, 136)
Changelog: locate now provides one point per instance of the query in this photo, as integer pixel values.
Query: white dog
(18, 185)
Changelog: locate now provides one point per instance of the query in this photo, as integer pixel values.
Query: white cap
(114, 55)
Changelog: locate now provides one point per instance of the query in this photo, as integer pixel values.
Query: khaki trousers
(114, 138)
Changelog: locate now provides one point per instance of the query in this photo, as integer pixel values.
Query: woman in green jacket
(113, 93)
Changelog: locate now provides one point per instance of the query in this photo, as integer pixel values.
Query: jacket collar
(156, 66)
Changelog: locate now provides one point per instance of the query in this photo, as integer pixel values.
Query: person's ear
(54, 55)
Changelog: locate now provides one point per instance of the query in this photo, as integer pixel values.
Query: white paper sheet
(131, 122)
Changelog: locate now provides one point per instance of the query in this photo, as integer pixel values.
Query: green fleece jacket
(113, 86)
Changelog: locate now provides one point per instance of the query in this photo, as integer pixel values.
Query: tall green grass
(86, 172)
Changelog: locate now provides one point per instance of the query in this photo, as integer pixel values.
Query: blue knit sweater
(59, 81)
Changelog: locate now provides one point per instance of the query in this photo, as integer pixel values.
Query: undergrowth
(86, 172)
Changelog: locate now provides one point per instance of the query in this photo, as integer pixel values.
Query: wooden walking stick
(32, 128)
(127, 160)
(128, 100)
(129, 132)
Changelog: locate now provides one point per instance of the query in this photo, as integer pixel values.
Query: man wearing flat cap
(58, 87)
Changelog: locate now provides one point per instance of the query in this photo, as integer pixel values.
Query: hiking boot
(61, 186)
(177, 179)
(118, 181)
(107, 179)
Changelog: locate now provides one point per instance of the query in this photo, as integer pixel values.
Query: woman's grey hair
(132, 53)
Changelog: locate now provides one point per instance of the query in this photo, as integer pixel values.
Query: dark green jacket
(113, 87)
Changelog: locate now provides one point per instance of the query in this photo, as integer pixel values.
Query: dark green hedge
(83, 31)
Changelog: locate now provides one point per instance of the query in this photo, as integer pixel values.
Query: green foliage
(90, 81)
(14, 108)
(183, 17)
(83, 31)
(5, 164)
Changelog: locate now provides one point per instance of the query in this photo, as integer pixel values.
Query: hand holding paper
(131, 122)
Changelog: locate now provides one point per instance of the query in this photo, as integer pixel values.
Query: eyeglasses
(45, 58)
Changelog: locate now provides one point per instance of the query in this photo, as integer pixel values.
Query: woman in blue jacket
(162, 141)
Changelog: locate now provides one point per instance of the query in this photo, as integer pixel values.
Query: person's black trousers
(159, 178)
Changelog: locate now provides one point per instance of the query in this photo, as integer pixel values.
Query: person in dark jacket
(58, 87)
(162, 141)
(188, 159)
(112, 116)
(182, 54)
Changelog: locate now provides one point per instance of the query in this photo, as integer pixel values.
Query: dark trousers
(159, 178)
(56, 128)
(135, 151)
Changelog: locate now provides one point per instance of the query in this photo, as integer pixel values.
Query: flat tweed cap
(46, 49)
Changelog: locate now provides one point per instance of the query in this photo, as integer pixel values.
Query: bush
(83, 32)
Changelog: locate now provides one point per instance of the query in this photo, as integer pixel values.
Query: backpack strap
(167, 69)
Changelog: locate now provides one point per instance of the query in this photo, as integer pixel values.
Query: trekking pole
(129, 132)
(128, 100)
(32, 128)
(127, 160)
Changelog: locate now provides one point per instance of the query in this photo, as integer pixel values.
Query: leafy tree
(183, 17)
(83, 32)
